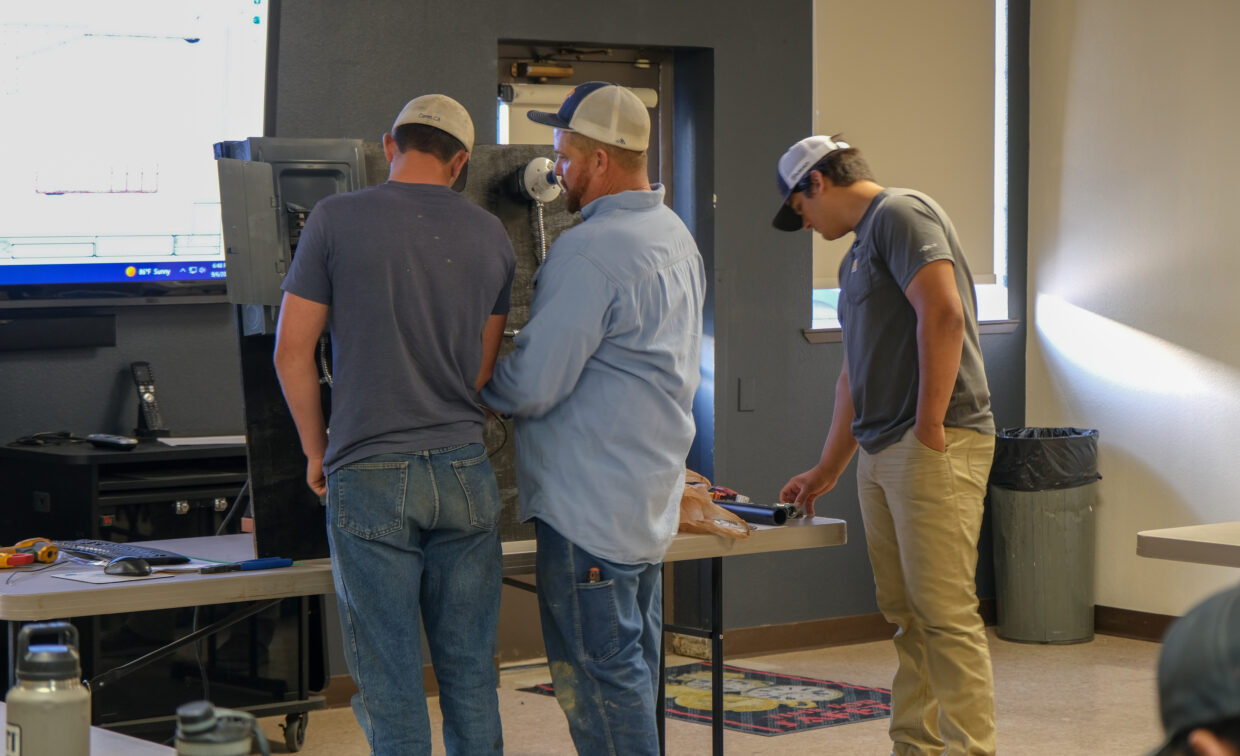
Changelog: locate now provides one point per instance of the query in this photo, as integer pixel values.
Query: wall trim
(1127, 623)
(820, 633)
(836, 336)
(834, 631)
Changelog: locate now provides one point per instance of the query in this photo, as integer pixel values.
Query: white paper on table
(96, 576)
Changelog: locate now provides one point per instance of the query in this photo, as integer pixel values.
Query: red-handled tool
(15, 560)
(41, 549)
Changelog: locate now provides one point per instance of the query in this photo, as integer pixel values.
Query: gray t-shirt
(411, 273)
(902, 231)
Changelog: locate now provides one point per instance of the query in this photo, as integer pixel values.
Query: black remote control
(108, 441)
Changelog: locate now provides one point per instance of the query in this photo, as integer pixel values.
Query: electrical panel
(268, 186)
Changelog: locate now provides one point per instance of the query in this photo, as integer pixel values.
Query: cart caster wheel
(295, 730)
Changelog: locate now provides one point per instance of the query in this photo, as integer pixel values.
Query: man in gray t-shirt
(912, 394)
(412, 280)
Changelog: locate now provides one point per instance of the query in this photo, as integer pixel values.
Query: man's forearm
(840, 444)
(300, 382)
(492, 335)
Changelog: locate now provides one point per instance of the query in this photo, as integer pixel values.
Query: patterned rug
(766, 703)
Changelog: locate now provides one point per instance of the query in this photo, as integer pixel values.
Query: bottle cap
(200, 722)
(48, 661)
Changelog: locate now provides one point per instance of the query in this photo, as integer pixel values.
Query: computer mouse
(129, 566)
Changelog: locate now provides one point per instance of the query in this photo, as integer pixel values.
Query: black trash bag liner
(1043, 459)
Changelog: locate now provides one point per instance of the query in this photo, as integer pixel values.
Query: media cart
(266, 663)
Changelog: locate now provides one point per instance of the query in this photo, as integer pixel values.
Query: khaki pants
(923, 511)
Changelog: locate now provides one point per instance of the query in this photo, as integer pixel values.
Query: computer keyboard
(106, 550)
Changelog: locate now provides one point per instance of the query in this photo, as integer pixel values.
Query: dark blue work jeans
(602, 638)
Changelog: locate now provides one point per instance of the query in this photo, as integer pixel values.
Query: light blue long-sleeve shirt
(603, 376)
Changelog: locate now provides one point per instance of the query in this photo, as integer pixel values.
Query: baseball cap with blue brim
(793, 169)
(1199, 668)
(603, 111)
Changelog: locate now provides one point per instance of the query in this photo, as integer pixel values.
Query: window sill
(835, 336)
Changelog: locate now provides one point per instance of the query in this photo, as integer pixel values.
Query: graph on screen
(110, 111)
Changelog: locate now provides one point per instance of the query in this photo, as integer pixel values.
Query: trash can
(1043, 489)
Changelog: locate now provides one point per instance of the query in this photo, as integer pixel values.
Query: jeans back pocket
(477, 479)
(370, 498)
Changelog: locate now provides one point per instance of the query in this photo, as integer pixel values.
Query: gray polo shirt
(901, 232)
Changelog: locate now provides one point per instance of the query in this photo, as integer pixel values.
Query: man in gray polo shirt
(912, 394)
(413, 281)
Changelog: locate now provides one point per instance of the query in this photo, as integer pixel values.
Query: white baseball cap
(442, 112)
(795, 166)
(600, 110)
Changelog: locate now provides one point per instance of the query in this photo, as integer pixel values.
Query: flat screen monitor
(110, 111)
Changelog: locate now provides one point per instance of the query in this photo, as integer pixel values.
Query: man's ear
(601, 160)
(389, 147)
(458, 163)
(817, 183)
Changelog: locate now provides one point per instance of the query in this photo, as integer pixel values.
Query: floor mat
(766, 703)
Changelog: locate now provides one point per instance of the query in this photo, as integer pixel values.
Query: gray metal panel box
(268, 185)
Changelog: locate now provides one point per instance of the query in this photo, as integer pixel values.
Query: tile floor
(1094, 698)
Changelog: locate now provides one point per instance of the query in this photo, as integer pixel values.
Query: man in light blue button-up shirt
(602, 383)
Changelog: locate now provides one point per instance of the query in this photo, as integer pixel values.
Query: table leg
(714, 631)
(716, 655)
(13, 628)
(660, 704)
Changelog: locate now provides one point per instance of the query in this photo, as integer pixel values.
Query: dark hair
(428, 139)
(844, 167)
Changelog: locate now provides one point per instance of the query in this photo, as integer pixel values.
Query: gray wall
(192, 349)
(345, 67)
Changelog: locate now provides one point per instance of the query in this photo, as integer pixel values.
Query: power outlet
(42, 502)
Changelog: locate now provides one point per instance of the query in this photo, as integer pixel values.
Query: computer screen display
(110, 111)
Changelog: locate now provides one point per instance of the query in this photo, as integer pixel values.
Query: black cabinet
(155, 491)
(266, 664)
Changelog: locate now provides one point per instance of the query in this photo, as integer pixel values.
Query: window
(924, 96)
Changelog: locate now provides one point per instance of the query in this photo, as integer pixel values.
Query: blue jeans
(602, 638)
(413, 537)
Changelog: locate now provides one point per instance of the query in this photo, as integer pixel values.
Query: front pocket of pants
(370, 501)
(477, 480)
(922, 446)
(598, 628)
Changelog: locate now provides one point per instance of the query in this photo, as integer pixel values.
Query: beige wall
(1133, 261)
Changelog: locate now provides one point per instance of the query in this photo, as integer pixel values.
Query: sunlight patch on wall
(1127, 359)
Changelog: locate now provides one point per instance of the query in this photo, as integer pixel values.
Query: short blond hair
(632, 161)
